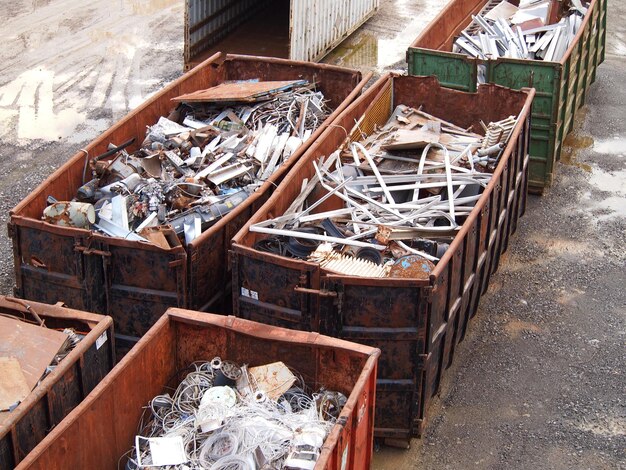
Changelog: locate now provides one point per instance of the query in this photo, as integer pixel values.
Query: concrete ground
(539, 381)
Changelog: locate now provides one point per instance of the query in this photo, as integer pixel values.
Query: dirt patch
(515, 328)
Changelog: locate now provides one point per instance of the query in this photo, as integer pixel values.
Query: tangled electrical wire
(226, 423)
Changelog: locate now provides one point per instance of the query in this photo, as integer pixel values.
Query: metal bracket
(91, 251)
(176, 263)
(320, 292)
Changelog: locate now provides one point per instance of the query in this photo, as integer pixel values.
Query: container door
(275, 291)
(206, 23)
(140, 283)
(393, 319)
(317, 27)
(50, 267)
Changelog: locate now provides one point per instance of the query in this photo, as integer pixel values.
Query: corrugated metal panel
(208, 21)
(317, 26)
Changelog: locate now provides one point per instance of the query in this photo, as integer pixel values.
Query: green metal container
(561, 86)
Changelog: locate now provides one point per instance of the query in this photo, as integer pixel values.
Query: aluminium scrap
(196, 165)
(502, 29)
(391, 203)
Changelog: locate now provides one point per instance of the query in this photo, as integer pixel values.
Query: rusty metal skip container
(101, 430)
(416, 323)
(136, 282)
(65, 387)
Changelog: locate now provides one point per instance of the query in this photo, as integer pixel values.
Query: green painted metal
(453, 70)
(561, 86)
(545, 78)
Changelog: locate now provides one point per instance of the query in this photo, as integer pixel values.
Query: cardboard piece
(272, 379)
(406, 139)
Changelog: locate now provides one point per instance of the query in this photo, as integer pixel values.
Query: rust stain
(61, 219)
(412, 267)
(572, 145)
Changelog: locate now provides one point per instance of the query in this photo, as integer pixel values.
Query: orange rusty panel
(103, 427)
(441, 32)
(416, 323)
(238, 91)
(377, 114)
(65, 387)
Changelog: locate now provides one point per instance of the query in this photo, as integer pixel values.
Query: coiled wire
(254, 425)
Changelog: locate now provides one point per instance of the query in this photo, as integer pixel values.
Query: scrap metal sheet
(33, 346)
(240, 91)
(13, 386)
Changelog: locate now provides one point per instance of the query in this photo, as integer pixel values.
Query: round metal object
(370, 254)
(412, 267)
(303, 247)
(231, 370)
(70, 214)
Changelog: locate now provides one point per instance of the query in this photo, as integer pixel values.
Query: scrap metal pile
(392, 202)
(505, 30)
(225, 416)
(214, 150)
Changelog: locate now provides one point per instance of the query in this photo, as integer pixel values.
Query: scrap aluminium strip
(136, 282)
(561, 87)
(416, 323)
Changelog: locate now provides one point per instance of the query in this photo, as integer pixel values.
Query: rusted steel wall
(136, 282)
(64, 388)
(415, 323)
(103, 427)
(452, 19)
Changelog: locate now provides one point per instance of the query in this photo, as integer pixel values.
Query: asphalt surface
(539, 381)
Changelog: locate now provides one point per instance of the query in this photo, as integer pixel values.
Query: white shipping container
(315, 26)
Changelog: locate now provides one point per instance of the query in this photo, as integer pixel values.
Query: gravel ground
(539, 380)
